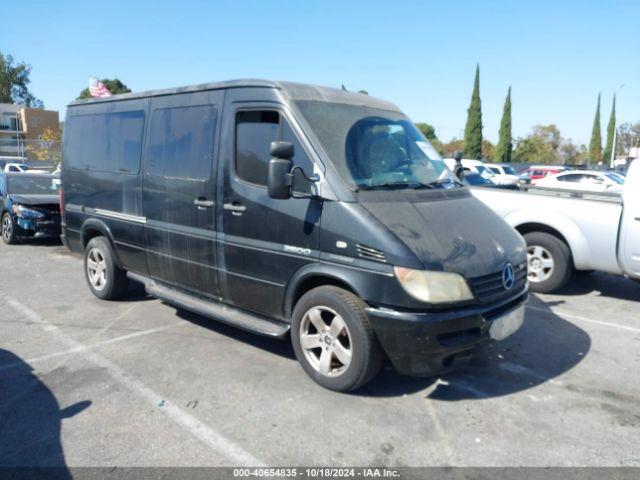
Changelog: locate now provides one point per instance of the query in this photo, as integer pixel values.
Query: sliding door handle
(235, 208)
(203, 203)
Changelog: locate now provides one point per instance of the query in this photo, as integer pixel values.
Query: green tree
(427, 130)
(488, 150)
(595, 146)
(14, 83)
(611, 128)
(473, 128)
(115, 86)
(572, 153)
(448, 149)
(504, 149)
(542, 146)
(628, 136)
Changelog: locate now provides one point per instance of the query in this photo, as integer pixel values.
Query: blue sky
(556, 55)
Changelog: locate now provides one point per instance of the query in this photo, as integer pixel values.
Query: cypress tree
(611, 129)
(473, 128)
(505, 144)
(595, 147)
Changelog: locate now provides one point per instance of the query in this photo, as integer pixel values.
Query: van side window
(255, 130)
(181, 142)
(106, 142)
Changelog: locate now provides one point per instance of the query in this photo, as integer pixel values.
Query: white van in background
(479, 167)
(504, 172)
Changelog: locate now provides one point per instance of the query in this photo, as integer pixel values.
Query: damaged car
(29, 206)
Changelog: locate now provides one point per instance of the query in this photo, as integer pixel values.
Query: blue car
(29, 206)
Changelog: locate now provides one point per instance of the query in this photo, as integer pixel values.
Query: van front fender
(368, 284)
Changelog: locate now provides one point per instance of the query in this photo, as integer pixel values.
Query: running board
(213, 309)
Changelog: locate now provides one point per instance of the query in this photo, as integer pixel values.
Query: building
(21, 129)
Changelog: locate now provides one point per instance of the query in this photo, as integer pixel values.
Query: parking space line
(198, 429)
(84, 347)
(585, 319)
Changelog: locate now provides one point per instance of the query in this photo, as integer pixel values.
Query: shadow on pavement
(271, 345)
(30, 419)
(545, 347)
(613, 286)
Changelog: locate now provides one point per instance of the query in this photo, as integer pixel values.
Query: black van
(284, 208)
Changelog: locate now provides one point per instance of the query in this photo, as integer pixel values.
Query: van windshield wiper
(443, 181)
(397, 185)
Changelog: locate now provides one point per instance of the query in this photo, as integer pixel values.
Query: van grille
(489, 288)
(370, 253)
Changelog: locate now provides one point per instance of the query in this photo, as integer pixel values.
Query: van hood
(34, 199)
(450, 231)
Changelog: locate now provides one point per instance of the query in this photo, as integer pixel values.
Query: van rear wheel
(106, 280)
(333, 339)
(549, 262)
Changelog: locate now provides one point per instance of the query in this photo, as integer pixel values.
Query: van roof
(295, 91)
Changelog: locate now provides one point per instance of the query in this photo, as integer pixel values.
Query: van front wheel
(333, 339)
(106, 280)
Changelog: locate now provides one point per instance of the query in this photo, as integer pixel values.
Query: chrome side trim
(116, 215)
(72, 207)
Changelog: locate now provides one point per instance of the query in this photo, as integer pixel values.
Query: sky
(421, 55)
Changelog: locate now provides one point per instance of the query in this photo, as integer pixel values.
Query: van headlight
(433, 287)
(27, 213)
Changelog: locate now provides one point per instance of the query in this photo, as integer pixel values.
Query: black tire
(115, 281)
(8, 229)
(562, 262)
(367, 357)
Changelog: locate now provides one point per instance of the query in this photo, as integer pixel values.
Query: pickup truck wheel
(106, 280)
(8, 229)
(548, 262)
(333, 339)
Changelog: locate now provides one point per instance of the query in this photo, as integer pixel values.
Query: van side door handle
(235, 208)
(203, 203)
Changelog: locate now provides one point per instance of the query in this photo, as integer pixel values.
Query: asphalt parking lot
(85, 382)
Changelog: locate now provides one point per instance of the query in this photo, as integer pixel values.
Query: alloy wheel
(7, 228)
(97, 269)
(325, 341)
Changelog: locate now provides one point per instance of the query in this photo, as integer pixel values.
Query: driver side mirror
(280, 180)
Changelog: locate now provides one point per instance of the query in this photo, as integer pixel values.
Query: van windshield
(21, 184)
(374, 148)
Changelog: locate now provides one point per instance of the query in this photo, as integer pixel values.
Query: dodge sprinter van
(290, 209)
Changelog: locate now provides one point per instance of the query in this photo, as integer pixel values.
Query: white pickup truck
(569, 230)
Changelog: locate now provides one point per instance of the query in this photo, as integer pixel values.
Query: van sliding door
(179, 190)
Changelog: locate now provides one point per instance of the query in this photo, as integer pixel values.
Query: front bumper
(45, 228)
(426, 344)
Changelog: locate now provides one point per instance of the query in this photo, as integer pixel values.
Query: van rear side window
(105, 142)
(181, 142)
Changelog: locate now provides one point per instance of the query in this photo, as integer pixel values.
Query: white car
(584, 180)
(504, 173)
(477, 166)
(16, 167)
